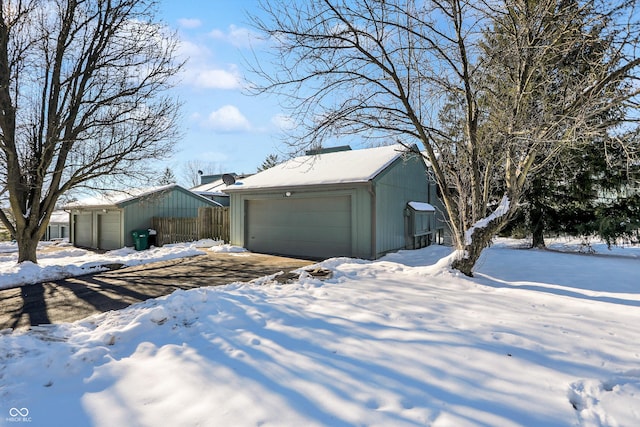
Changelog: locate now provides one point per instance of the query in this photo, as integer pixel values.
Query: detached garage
(58, 227)
(355, 203)
(106, 222)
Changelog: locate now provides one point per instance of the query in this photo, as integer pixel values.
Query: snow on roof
(59, 216)
(329, 168)
(214, 188)
(422, 207)
(116, 197)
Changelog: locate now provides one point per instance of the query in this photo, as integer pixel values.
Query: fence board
(211, 223)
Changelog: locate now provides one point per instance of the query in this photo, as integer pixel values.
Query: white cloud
(237, 36)
(228, 119)
(283, 122)
(217, 34)
(215, 79)
(202, 72)
(190, 50)
(189, 23)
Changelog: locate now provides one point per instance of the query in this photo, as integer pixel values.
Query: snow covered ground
(537, 338)
(60, 260)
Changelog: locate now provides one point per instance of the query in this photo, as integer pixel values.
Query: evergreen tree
(563, 192)
(388, 69)
(270, 161)
(168, 177)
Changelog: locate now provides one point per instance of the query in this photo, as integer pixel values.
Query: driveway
(75, 298)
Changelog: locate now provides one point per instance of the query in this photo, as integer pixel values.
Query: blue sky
(222, 126)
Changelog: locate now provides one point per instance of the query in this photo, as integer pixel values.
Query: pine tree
(270, 161)
(563, 193)
(168, 177)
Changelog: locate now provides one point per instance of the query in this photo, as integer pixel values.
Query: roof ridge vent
(321, 150)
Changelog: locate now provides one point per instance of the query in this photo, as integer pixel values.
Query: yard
(537, 338)
(71, 283)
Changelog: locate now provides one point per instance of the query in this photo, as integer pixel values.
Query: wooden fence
(211, 223)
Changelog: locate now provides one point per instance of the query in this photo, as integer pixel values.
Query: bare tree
(82, 102)
(193, 169)
(416, 71)
(559, 80)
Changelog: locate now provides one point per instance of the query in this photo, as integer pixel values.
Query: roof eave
(308, 187)
(87, 207)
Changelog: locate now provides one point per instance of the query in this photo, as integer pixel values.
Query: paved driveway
(78, 297)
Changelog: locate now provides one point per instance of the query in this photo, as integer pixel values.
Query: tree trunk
(70, 98)
(537, 229)
(27, 246)
(479, 237)
(536, 222)
(536, 213)
(470, 256)
(30, 223)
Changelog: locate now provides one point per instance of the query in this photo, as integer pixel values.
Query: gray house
(58, 227)
(358, 203)
(106, 221)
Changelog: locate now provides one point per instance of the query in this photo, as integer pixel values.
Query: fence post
(205, 223)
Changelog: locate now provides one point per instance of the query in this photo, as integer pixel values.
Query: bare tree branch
(480, 85)
(83, 97)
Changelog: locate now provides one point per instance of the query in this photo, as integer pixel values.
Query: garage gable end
(403, 181)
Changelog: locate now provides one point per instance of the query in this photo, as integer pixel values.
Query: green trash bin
(140, 239)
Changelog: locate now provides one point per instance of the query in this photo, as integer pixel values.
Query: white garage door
(109, 231)
(307, 227)
(82, 230)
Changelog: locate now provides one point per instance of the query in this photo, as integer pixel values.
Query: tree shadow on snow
(345, 380)
(606, 279)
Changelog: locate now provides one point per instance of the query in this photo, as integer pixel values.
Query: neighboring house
(107, 221)
(358, 203)
(58, 227)
(214, 187)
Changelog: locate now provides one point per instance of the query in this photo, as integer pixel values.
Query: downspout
(372, 193)
(72, 227)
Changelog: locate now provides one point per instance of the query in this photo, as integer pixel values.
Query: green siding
(404, 181)
(171, 203)
(378, 208)
(360, 212)
(110, 227)
(317, 227)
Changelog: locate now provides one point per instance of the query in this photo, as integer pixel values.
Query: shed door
(308, 227)
(82, 231)
(109, 231)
